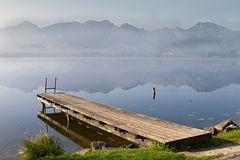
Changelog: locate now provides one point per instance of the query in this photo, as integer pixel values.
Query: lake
(193, 92)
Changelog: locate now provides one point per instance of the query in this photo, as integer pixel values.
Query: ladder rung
(50, 88)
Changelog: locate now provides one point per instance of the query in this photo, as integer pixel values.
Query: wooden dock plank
(85, 103)
(137, 124)
(134, 123)
(103, 109)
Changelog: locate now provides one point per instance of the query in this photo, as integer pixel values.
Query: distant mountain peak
(200, 26)
(64, 24)
(26, 25)
(103, 22)
(72, 22)
(130, 27)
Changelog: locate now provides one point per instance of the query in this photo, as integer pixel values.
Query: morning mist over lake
(96, 75)
(105, 39)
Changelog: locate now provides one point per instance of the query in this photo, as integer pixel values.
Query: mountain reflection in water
(105, 74)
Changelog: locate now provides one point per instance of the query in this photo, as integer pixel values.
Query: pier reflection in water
(80, 132)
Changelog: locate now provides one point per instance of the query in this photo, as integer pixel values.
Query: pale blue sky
(150, 14)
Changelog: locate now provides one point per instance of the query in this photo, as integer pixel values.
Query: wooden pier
(134, 127)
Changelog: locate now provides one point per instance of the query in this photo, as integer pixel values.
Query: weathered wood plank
(136, 124)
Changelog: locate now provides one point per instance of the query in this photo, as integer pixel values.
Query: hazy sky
(150, 14)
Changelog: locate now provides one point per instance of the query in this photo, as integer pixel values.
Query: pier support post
(68, 119)
(46, 128)
(43, 108)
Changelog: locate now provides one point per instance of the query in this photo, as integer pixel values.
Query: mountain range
(105, 39)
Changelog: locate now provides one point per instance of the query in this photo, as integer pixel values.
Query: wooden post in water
(46, 85)
(154, 93)
(55, 84)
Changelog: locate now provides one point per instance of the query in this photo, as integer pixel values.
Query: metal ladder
(51, 88)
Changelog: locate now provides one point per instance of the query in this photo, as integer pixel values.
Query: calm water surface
(194, 92)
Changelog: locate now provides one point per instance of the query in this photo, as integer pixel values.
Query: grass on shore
(40, 146)
(219, 140)
(232, 136)
(127, 154)
(154, 152)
